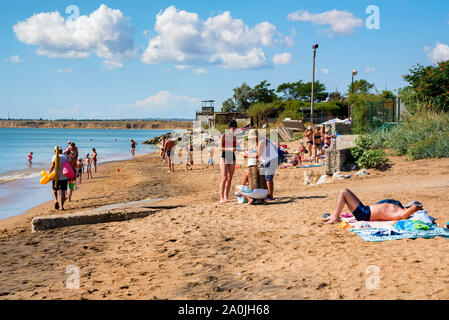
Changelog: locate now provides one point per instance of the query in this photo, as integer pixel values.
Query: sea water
(20, 189)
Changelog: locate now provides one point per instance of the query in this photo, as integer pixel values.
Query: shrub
(373, 159)
(356, 153)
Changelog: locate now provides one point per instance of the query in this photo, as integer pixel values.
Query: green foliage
(422, 136)
(360, 86)
(373, 159)
(431, 86)
(262, 93)
(292, 110)
(303, 91)
(228, 106)
(356, 153)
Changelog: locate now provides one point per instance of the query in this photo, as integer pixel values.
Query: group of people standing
(317, 141)
(260, 151)
(79, 166)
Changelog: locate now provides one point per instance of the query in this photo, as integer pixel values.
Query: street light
(315, 46)
(354, 73)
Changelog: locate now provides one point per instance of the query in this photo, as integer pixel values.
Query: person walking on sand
(30, 159)
(133, 147)
(79, 167)
(162, 154)
(94, 159)
(168, 150)
(228, 145)
(385, 210)
(88, 165)
(61, 185)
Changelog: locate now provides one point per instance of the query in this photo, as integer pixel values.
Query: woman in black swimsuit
(309, 137)
(317, 144)
(227, 162)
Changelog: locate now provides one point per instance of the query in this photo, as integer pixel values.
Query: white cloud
(105, 32)
(64, 71)
(439, 53)
(165, 99)
(369, 69)
(14, 59)
(112, 65)
(183, 38)
(324, 71)
(164, 104)
(182, 67)
(199, 71)
(340, 22)
(282, 58)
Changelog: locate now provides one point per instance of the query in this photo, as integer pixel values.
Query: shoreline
(19, 184)
(98, 124)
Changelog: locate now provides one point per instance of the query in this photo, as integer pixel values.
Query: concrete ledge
(110, 213)
(335, 160)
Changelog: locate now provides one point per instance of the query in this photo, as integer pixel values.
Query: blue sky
(139, 59)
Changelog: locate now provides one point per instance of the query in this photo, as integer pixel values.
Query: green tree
(228, 106)
(288, 90)
(431, 86)
(243, 97)
(360, 86)
(303, 91)
(336, 96)
(262, 93)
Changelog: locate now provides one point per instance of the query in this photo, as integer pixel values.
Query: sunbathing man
(382, 211)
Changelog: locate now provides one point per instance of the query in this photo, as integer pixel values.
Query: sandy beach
(205, 250)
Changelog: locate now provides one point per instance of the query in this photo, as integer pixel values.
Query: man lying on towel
(386, 210)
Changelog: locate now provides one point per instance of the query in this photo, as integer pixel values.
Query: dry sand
(210, 251)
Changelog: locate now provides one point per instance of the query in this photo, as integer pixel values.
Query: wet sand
(205, 250)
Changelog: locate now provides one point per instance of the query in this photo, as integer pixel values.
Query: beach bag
(67, 170)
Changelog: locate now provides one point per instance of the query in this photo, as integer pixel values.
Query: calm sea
(20, 189)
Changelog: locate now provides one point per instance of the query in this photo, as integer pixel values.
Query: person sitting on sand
(210, 161)
(296, 159)
(251, 188)
(385, 210)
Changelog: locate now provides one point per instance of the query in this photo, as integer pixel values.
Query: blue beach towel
(373, 234)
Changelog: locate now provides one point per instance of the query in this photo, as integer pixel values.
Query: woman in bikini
(228, 144)
(309, 137)
(94, 159)
(317, 144)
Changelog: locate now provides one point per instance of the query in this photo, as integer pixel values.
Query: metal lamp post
(354, 73)
(315, 46)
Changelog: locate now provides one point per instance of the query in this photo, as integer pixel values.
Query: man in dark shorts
(385, 210)
(62, 183)
(168, 149)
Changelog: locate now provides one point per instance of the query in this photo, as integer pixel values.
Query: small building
(208, 116)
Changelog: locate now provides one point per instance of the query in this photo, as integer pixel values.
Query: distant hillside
(97, 124)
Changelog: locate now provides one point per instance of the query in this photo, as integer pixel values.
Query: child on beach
(188, 157)
(79, 170)
(88, 165)
(30, 158)
(210, 161)
(297, 159)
